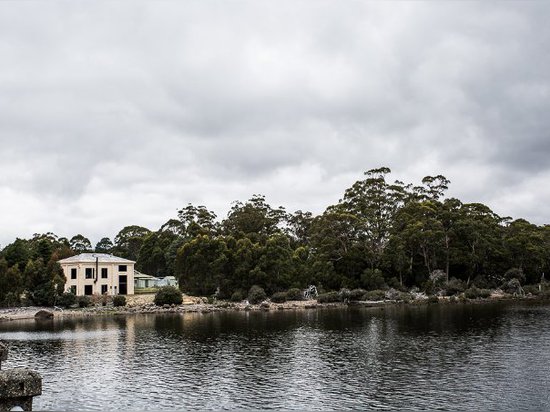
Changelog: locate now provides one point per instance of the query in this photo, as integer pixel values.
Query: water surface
(484, 356)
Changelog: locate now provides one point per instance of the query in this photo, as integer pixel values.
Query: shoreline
(195, 305)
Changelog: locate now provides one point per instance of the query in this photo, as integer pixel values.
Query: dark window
(122, 268)
(88, 289)
(89, 273)
(73, 273)
(73, 289)
(103, 289)
(104, 273)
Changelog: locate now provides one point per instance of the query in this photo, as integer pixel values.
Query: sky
(118, 113)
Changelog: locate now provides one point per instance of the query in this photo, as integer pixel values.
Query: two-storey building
(98, 274)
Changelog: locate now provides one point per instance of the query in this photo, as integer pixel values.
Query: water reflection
(426, 357)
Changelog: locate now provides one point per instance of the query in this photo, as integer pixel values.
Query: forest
(380, 234)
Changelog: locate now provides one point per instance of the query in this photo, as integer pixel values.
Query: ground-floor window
(73, 289)
(88, 289)
(103, 289)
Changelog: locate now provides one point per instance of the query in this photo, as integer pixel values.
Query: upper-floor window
(89, 273)
(122, 268)
(73, 273)
(104, 273)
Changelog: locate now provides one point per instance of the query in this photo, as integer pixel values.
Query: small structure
(18, 385)
(168, 281)
(98, 274)
(143, 281)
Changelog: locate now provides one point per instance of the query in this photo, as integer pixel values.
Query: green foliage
(278, 297)
(168, 295)
(237, 296)
(256, 294)
(119, 300)
(372, 279)
(294, 294)
(66, 300)
(532, 289)
(329, 297)
(475, 293)
(454, 287)
(515, 273)
(84, 301)
(357, 294)
(375, 295)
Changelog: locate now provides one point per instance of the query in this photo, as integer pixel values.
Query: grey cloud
(120, 113)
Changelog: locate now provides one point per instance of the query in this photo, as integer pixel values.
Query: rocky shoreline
(194, 305)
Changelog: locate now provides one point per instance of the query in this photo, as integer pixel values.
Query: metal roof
(91, 258)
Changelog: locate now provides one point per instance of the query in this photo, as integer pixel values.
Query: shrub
(256, 294)
(344, 294)
(357, 294)
(513, 286)
(515, 273)
(294, 294)
(375, 295)
(454, 287)
(279, 297)
(119, 300)
(405, 297)
(237, 296)
(329, 297)
(84, 301)
(168, 295)
(392, 294)
(433, 299)
(372, 279)
(475, 293)
(532, 289)
(66, 300)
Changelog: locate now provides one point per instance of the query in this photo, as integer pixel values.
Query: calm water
(491, 356)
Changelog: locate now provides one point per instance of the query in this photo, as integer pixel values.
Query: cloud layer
(118, 113)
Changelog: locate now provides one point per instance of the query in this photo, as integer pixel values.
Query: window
(88, 289)
(122, 268)
(103, 289)
(89, 273)
(73, 289)
(104, 273)
(73, 273)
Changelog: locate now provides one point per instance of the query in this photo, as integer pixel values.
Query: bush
(513, 286)
(433, 299)
(375, 295)
(329, 297)
(357, 294)
(294, 294)
(168, 295)
(119, 300)
(532, 289)
(237, 296)
(475, 293)
(515, 273)
(406, 297)
(84, 301)
(279, 297)
(66, 300)
(372, 279)
(454, 287)
(256, 294)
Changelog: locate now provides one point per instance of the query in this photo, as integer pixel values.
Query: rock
(17, 387)
(311, 306)
(248, 307)
(43, 314)
(265, 305)
(165, 306)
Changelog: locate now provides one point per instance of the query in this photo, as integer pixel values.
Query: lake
(459, 356)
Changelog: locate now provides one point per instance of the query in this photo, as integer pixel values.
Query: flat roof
(91, 258)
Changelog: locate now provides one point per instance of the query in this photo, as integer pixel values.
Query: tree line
(381, 234)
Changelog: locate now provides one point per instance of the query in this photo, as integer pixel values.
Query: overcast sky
(119, 113)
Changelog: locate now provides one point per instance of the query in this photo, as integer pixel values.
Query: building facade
(98, 274)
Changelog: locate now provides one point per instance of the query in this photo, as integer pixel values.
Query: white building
(98, 274)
